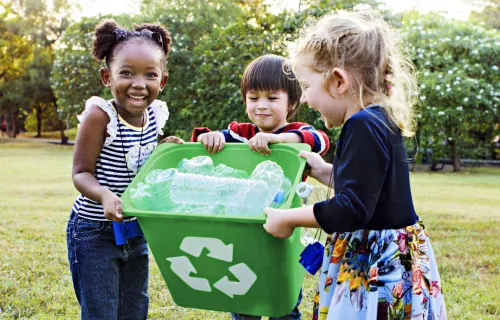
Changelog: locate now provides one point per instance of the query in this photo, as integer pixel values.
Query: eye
(273, 98)
(252, 98)
(152, 75)
(125, 73)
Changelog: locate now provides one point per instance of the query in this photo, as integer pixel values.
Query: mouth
(263, 115)
(136, 100)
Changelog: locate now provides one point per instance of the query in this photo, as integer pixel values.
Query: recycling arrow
(183, 268)
(246, 278)
(218, 250)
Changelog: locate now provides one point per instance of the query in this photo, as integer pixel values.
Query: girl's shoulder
(107, 107)
(160, 110)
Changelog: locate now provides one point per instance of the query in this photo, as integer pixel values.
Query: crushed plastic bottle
(309, 195)
(269, 172)
(161, 185)
(197, 165)
(225, 171)
(202, 190)
(142, 196)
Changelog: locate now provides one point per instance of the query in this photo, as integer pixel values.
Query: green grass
(461, 211)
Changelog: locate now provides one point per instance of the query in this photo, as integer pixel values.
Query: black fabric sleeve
(360, 174)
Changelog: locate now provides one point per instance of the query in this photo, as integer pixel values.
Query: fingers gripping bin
(218, 262)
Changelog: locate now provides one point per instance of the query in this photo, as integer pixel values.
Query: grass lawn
(461, 211)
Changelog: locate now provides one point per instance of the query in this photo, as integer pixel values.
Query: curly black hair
(105, 46)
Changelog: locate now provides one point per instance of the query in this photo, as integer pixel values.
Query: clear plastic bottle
(310, 195)
(197, 165)
(161, 184)
(142, 196)
(202, 190)
(225, 171)
(270, 172)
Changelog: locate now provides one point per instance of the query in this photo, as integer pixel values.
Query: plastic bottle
(142, 196)
(270, 172)
(225, 171)
(160, 182)
(202, 190)
(197, 165)
(309, 195)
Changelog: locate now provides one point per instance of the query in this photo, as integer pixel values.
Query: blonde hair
(364, 45)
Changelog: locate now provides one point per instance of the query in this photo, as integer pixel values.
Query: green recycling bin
(218, 262)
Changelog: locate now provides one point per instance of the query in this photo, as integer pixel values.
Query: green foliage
(459, 83)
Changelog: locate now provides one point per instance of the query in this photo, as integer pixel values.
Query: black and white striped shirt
(119, 157)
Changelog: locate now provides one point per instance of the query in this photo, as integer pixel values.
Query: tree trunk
(64, 138)
(39, 111)
(455, 159)
(14, 125)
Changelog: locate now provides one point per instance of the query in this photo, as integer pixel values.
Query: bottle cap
(303, 190)
(279, 197)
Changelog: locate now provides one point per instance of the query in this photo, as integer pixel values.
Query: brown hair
(364, 45)
(106, 45)
(266, 74)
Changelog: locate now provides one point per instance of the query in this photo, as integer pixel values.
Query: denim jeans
(110, 281)
(294, 315)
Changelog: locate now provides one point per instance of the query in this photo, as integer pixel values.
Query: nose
(262, 104)
(139, 83)
(303, 98)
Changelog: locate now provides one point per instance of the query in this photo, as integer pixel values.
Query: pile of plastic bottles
(197, 186)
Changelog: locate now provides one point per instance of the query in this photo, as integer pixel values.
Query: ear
(164, 79)
(105, 77)
(338, 83)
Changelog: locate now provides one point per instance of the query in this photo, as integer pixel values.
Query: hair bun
(104, 38)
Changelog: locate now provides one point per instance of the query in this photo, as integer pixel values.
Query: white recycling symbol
(183, 267)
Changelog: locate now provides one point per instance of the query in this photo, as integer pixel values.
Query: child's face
(135, 77)
(267, 109)
(317, 96)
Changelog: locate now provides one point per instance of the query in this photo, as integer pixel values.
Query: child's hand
(261, 141)
(172, 139)
(212, 141)
(112, 206)
(277, 224)
(318, 166)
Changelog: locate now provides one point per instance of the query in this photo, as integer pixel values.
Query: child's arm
(88, 145)
(317, 139)
(319, 169)
(281, 223)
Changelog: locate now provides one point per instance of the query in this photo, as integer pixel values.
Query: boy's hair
(109, 38)
(363, 44)
(266, 74)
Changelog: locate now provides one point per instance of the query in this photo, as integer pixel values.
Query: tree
(489, 17)
(40, 24)
(16, 54)
(459, 84)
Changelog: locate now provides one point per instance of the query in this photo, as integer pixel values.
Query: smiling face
(135, 77)
(327, 99)
(267, 109)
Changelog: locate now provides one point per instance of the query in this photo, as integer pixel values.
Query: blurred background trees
(47, 71)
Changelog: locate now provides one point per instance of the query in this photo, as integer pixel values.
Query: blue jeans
(294, 315)
(110, 281)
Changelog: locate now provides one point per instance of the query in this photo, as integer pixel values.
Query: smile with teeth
(137, 97)
(137, 100)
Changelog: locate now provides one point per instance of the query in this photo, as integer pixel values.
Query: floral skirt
(379, 274)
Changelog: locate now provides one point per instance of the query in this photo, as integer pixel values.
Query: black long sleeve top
(371, 177)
